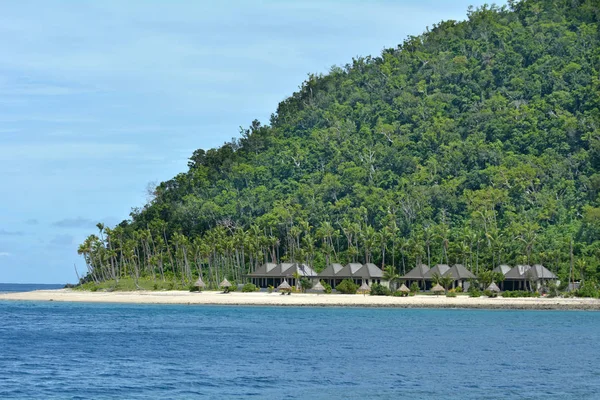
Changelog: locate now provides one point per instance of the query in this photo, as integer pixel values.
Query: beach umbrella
(493, 288)
(404, 289)
(225, 283)
(200, 284)
(364, 288)
(284, 286)
(318, 287)
(437, 289)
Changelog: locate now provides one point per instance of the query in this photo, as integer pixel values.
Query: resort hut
(493, 288)
(200, 284)
(460, 275)
(270, 274)
(439, 269)
(367, 273)
(417, 274)
(225, 284)
(284, 287)
(331, 274)
(364, 288)
(437, 289)
(526, 277)
(503, 269)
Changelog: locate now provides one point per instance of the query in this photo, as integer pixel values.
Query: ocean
(79, 351)
(28, 287)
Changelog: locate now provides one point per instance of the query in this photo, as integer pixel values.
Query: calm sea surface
(27, 287)
(63, 350)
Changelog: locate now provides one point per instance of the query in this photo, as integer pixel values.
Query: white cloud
(4, 254)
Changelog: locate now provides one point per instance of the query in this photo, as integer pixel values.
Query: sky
(98, 99)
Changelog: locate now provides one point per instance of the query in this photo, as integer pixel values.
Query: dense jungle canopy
(477, 142)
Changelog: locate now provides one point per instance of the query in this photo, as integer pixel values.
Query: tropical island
(474, 146)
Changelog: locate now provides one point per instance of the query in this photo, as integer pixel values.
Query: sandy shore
(310, 300)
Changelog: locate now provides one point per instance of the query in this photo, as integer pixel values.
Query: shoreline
(304, 300)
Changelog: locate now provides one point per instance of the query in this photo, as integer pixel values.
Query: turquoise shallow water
(65, 350)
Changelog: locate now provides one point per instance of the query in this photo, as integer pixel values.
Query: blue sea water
(27, 287)
(77, 351)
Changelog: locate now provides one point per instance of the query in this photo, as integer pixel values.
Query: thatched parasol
(284, 286)
(493, 288)
(200, 283)
(404, 289)
(364, 288)
(225, 283)
(318, 287)
(437, 289)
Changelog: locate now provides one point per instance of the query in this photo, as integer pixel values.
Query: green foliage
(477, 142)
(414, 287)
(270, 289)
(379, 290)
(398, 293)
(489, 293)
(588, 289)
(327, 287)
(193, 288)
(458, 289)
(520, 293)
(347, 286)
(451, 294)
(475, 293)
(305, 284)
(250, 287)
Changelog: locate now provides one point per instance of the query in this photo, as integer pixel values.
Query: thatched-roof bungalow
(524, 277)
(270, 274)
(460, 274)
(417, 274)
(362, 273)
(331, 274)
(439, 269)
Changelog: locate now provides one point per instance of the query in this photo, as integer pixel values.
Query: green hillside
(477, 142)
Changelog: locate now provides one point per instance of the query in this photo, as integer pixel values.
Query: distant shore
(306, 300)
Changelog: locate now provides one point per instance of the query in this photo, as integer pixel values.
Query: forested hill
(477, 142)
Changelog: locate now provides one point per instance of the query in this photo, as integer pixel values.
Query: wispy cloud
(4, 232)
(62, 240)
(32, 221)
(78, 222)
(4, 254)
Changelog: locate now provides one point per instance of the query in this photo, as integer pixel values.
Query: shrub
(379, 290)
(458, 289)
(451, 294)
(270, 288)
(305, 284)
(93, 288)
(398, 293)
(414, 287)
(194, 288)
(588, 289)
(474, 293)
(155, 286)
(327, 286)
(347, 287)
(489, 293)
(249, 287)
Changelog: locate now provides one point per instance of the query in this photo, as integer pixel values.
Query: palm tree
(390, 275)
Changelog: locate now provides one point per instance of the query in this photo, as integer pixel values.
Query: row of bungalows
(520, 277)
(525, 277)
(423, 275)
(368, 273)
(272, 274)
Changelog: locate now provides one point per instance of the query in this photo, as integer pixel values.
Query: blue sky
(99, 98)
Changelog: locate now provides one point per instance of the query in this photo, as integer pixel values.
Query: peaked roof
(403, 288)
(417, 272)
(283, 270)
(356, 270)
(502, 268)
(458, 272)
(199, 283)
(263, 269)
(318, 286)
(284, 285)
(536, 272)
(364, 288)
(440, 269)
(331, 270)
(225, 283)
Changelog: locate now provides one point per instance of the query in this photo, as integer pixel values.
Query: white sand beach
(307, 300)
